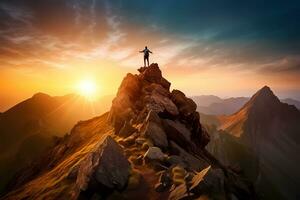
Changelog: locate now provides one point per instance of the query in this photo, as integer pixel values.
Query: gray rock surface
(156, 134)
(154, 153)
(107, 166)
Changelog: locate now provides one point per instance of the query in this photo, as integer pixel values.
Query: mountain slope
(265, 133)
(292, 102)
(150, 145)
(30, 127)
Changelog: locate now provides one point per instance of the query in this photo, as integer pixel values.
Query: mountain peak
(264, 98)
(266, 90)
(40, 95)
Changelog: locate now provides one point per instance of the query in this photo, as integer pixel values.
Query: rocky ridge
(150, 145)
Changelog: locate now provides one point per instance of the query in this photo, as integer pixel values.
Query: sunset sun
(87, 88)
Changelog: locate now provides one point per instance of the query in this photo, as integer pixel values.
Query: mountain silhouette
(262, 138)
(150, 145)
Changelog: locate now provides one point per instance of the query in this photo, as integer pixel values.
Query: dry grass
(54, 184)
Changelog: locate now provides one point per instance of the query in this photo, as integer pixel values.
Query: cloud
(199, 35)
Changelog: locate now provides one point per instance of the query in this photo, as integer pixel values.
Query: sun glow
(88, 88)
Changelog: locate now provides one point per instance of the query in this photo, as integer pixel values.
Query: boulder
(156, 134)
(153, 117)
(151, 74)
(106, 166)
(176, 160)
(154, 153)
(156, 88)
(160, 103)
(186, 106)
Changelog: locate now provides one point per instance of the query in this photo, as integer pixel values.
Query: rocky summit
(150, 145)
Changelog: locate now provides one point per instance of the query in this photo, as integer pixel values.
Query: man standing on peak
(146, 52)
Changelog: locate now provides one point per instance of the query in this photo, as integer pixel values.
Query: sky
(226, 48)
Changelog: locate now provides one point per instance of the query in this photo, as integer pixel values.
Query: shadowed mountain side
(291, 102)
(262, 139)
(150, 145)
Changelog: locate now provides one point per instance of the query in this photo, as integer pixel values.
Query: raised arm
(141, 51)
(150, 51)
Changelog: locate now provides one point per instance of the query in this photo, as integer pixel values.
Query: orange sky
(51, 52)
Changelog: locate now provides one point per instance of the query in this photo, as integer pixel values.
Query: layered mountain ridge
(262, 138)
(150, 145)
(214, 105)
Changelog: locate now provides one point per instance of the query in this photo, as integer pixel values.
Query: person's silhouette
(146, 52)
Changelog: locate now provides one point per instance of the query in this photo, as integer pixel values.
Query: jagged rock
(182, 191)
(121, 109)
(151, 73)
(165, 83)
(186, 106)
(177, 131)
(153, 117)
(176, 160)
(193, 162)
(210, 181)
(154, 153)
(155, 88)
(156, 134)
(126, 130)
(106, 166)
(160, 103)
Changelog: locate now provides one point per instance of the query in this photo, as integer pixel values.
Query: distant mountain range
(30, 127)
(214, 105)
(262, 141)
